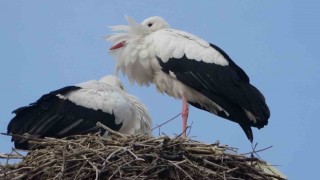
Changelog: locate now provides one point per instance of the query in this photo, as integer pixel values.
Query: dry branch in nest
(134, 157)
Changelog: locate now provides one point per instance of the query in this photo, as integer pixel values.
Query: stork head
(155, 23)
(112, 81)
(151, 24)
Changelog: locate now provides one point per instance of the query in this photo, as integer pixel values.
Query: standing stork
(189, 68)
(75, 110)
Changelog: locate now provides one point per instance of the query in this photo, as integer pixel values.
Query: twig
(188, 127)
(255, 151)
(60, 174)
(177, 166)
(110, 130)
(164, 123)
(214, 164)
(10, 156)
(112, 154)
(135, 156)
(93, 166)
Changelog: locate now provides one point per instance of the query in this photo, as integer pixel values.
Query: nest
(134, 157)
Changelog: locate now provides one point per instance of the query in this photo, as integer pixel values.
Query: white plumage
(187, 67)
(143, 45)
(109, 96)
(76, 109)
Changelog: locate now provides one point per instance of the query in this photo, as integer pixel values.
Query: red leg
(185, 112)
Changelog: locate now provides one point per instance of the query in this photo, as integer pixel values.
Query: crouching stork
(75, 110)
(189, 68)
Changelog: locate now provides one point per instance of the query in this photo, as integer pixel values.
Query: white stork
(189, 68)
(76, 109)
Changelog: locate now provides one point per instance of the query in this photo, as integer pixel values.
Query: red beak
(117, 46)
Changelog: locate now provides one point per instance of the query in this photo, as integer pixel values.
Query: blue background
(45, 45)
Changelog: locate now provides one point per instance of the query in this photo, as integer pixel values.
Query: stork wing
(227, 85)
(53, 115)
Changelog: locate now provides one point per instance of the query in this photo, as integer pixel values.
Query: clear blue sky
(46, 45)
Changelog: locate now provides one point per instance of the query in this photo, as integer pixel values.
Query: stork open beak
(117, 46)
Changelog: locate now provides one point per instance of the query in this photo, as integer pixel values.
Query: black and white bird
(75, 110)
(187, 67)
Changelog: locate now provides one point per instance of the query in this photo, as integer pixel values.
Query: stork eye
(150, 24)
(121, 87)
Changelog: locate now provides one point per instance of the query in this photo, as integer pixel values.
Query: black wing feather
(51, 116)
(228, 86)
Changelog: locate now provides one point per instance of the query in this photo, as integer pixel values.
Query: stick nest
(134, 157)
